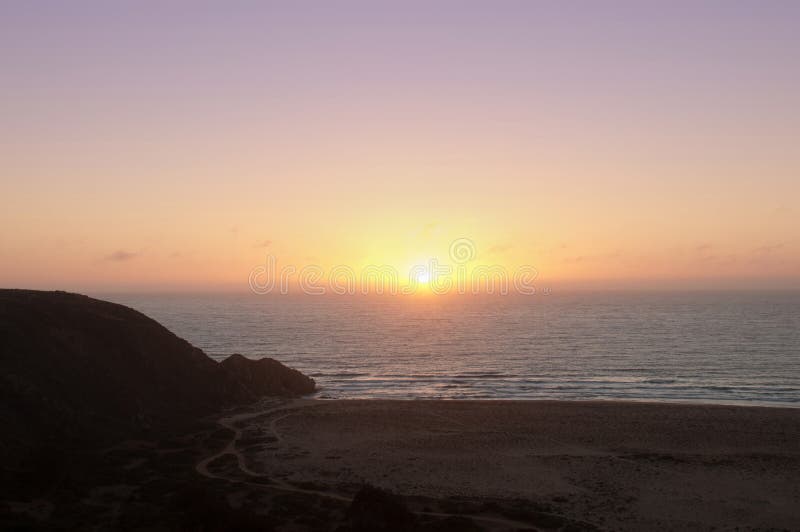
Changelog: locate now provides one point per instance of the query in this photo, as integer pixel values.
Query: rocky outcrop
(267, 376)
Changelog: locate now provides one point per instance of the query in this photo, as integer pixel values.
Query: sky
(174, 145)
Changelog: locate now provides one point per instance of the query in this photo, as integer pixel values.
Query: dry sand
(615, 465)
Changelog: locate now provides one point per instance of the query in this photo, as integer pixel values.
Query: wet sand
(612, 465)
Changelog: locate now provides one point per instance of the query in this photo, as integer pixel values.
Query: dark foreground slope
(76, 370)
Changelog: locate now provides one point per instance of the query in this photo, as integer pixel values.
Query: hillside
(73, 368)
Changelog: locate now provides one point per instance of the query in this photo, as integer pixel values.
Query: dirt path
(232, 423)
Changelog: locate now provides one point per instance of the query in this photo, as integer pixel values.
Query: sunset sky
(172, 146)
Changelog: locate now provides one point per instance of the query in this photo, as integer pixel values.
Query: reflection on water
(730, 348)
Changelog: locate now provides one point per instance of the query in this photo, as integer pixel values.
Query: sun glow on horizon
(549, 137)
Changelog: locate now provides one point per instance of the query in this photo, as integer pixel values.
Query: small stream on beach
(721, 348)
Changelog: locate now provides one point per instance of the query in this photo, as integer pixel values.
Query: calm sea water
(722, 348)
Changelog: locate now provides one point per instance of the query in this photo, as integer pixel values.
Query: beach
(603, 464)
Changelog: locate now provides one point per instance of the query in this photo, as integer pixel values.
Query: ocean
(728, 348)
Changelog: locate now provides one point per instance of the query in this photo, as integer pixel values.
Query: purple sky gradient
(644, 130)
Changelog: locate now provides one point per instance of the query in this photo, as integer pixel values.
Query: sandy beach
(608, 465)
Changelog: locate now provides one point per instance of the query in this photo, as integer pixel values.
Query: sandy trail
(233, 423)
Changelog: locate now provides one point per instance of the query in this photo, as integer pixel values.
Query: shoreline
(677, 402)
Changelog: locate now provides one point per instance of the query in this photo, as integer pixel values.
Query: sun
(419, 274)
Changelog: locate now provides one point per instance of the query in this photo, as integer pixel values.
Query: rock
(267, 376)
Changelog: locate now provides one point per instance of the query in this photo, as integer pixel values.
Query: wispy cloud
(263, 244)
(499, 248)
(577, 259)
(429, 228)
(703, 248)
(495, 250)
(768, 249)
(120, 256)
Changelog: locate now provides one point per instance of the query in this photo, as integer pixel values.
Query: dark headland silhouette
(73, 366)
